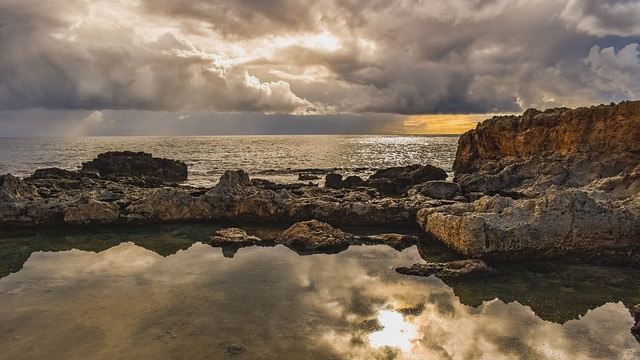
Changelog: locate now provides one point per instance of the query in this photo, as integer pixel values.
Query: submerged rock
(452, 269)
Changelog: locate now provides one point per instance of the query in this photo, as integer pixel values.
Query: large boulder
(234, 237)
(314, 235)
(397, 180)
(137, 164)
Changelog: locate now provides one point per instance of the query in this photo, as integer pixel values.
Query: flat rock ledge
(453, 269)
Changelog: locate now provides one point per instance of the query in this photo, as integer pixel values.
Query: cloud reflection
(276, 304)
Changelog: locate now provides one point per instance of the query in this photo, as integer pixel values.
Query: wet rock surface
(233, 237)
(453, 269)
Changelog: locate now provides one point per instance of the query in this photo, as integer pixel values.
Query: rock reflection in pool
(270, 303)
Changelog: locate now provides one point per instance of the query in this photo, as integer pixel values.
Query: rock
(56, 173)
(307, 177)
(396, 241)
(564, 147)
(333, 181)
(13, 188)
(556, 224)
(232, 184)
(398, 180)
(353, 181)
(233, 237)
(137, 164)
(314, 235)
(635, 330)
(91, 213)
(452, 269)
(438, 189)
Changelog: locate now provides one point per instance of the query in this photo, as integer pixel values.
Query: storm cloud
(317, 57)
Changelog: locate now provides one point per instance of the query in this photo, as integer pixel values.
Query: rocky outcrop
(564, 147)
(314, 235)
(137, 164)
(452, 269)
(547, 184)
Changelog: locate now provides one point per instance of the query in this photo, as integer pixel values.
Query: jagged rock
(314, 235)
(397, 180)
(233, 237)
(137, 164)
(232, 184)
(452, 269)
(13, 188)
(564, 147)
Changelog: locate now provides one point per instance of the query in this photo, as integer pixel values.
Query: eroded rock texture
(547, 184)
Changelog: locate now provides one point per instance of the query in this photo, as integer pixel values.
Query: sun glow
(396, 331)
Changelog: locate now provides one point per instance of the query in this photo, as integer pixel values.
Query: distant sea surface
(276, 158)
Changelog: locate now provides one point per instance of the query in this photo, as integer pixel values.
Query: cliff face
(604, 129)
(549, 184)
(564, 147)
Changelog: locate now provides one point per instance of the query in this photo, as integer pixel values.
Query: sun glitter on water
(396, 332)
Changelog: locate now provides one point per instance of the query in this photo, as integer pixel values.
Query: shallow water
(151, 293)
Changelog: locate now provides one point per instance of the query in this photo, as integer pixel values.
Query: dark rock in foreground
(635, 330)
(452, 269)
(137, 164)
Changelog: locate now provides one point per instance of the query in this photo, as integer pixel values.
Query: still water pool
(163, 293)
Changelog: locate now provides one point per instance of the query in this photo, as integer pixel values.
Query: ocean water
(275, 158)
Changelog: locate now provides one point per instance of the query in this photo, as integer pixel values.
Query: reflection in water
(269, 303)
(396, 331)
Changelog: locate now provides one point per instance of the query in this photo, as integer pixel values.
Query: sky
(190, 67)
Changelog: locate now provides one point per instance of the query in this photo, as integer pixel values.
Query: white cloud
(95, 117)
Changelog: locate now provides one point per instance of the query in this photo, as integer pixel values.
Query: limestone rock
(137, 164)
(452, 269)
(558, 223)
(91, 213)
(315, 235)
(13, 188)
(333, 181)
(564, 147)
(233, 237)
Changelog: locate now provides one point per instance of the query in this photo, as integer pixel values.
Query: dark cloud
(317, 57)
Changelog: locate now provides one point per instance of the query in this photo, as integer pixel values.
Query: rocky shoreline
(558, 183)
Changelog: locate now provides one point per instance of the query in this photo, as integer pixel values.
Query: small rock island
(546, 184)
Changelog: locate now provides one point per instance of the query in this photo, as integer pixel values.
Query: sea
(162, 292)
(275, 158)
